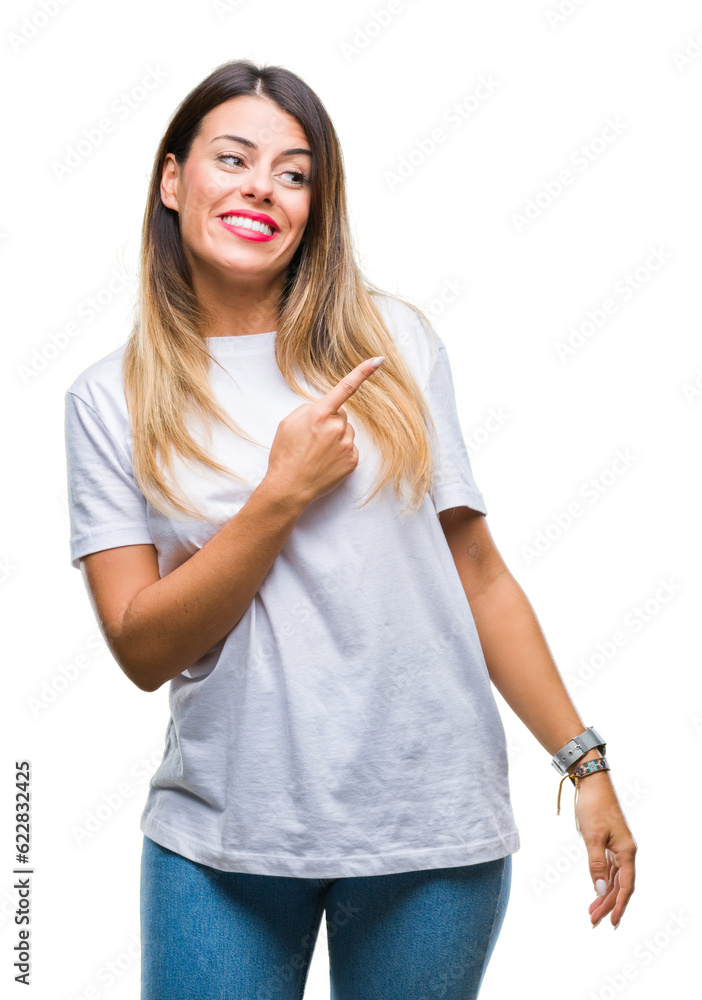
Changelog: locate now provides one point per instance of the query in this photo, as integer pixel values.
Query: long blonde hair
(328, 321)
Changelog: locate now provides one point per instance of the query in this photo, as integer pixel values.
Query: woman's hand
(610, 845)
(313, 448)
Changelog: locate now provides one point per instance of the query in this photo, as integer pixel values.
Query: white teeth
(243, 222)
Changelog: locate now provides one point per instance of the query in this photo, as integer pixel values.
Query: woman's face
(250, 159)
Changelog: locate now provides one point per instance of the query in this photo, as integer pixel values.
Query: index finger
(625, 876)
(337, 396)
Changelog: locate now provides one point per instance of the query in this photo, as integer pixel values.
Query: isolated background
(449, 230)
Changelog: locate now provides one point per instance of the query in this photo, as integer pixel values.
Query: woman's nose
(257, 184)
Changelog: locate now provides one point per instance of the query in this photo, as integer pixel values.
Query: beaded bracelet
(589, 767)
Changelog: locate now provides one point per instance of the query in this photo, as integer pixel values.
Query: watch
(577, 748)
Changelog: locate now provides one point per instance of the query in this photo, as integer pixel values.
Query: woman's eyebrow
(252, 145)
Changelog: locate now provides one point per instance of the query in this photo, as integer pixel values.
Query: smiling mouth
(244, 222)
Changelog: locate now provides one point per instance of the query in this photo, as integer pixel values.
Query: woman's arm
(521, 667)
(516, 653)
(157, 627)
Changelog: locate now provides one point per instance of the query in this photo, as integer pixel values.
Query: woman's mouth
(248, 229)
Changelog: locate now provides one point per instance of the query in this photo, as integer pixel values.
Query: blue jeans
(213, 935)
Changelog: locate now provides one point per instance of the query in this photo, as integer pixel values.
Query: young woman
(274, 511)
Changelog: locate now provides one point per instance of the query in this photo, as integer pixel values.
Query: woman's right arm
(158, 627)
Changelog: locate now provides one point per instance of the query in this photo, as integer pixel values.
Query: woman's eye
(230, 156)
(301, 178)
(298, 177)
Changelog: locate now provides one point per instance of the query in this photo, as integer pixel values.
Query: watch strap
(577, 748)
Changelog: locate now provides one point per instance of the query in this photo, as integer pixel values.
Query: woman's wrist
(593, 754)
(593, 780)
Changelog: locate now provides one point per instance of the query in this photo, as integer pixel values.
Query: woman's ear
(169, 179)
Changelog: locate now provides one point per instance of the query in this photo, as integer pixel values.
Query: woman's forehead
(264, 120)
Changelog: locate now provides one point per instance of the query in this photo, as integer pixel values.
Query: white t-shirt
(346, 725)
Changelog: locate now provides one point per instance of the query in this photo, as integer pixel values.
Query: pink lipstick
(245, 232)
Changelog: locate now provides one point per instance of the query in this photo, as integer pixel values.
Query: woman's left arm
(522, 669)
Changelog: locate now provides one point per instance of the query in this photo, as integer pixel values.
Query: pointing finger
(337, 396)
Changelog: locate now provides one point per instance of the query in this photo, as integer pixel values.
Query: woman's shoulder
(101, 387)
(412, 331)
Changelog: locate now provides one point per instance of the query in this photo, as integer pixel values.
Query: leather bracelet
(589, 767)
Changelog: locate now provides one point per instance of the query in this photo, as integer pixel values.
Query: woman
(334, 744)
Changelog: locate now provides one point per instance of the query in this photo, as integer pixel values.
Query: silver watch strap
(577, 748)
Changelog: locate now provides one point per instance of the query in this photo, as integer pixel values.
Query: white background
(520, 289)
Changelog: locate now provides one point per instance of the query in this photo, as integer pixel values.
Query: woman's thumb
(598, 872)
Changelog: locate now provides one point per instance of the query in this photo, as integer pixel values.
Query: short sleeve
(106, 507)
(454, 485)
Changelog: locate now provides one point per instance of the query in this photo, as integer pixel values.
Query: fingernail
(596, 923)
(600, 887)
(377, 362)
(617, 924)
